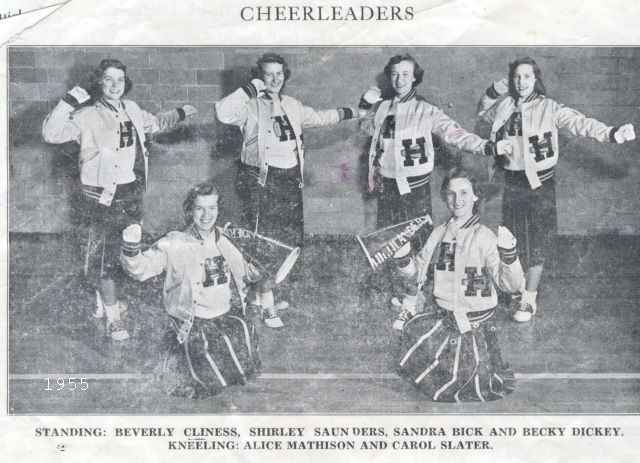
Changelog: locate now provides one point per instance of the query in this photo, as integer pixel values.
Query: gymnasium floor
(337, 352)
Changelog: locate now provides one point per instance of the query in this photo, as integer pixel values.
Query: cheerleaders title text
(327, 13)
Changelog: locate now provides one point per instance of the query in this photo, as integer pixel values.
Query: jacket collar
(474, 219)
(267, 96)
(192, 231)
(103, 101)
(530, 98)
(407, 97)
(470, 222)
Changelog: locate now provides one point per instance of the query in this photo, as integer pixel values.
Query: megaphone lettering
(272, 258)
(380, 245)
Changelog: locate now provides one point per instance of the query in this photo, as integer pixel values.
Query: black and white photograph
(330, 231)
(323, 230)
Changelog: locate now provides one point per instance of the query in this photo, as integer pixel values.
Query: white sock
(266, 300)
(529, 297)
(409, 303)
(112, 311)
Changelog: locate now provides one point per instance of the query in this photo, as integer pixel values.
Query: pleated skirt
(451, 367)
(218, 353)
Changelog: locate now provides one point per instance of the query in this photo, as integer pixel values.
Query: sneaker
(117, 330)
(403, 317)
(282, 305)
(99, 313)
(270, 317)
(525, 312)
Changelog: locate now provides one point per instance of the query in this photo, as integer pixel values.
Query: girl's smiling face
(402, 77)
(460, 197)
(205, 212)
(113, 84)
(524, 80)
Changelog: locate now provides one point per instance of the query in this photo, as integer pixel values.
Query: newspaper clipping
(332, 231)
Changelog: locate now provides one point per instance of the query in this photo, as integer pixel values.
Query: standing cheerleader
(520, 112)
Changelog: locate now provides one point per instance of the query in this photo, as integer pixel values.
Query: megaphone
(269, 256)
(382, 244)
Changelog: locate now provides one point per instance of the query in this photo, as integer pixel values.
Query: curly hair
(418, 72)
(201, 189)
(95, 79)
(258, 70)
(461, 172)
(538, 87)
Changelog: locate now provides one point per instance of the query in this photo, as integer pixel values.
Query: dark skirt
(532, 217)
(104, 226)
(451, 367)
(275, 210)
(218, 352)
(394, 208)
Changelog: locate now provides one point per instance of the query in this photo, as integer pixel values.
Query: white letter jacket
(477, 249)
(541, 119)
(180, 255)
(97, 130)
(416, 120)
(254, 117)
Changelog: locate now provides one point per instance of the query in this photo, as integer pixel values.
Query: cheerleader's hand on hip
(625, 133)
(504, 147)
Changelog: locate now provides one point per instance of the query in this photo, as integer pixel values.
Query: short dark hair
(257, 71)
(538, 87)
(461, 172)
(95, 89)
(201, 189)
(418, 72)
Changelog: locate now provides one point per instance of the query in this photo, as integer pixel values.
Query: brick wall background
(598, 190)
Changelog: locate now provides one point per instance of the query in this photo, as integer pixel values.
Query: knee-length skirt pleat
(451, 367)
(218, 352)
